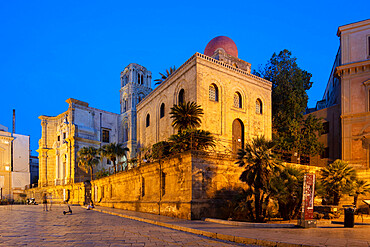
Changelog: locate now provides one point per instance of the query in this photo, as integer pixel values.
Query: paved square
(31, 226)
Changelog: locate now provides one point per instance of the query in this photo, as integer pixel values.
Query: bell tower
(135, 86)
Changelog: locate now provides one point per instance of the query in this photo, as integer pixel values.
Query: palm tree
(113, 151)
(88, 158)
(165, 76)
(186, 116)
(260, 163)
(337, 179)
(287, 188)
(191, 139)
(360, 187)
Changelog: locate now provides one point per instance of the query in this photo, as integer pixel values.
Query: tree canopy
(88, 159)
(337, 179)
(259, 164)
(291, 130)
(113, 152)
(186, 116)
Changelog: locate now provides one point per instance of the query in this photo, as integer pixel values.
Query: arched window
(147, 120)
(138, 78)
(142, 79)
(213, 92)
(125, 105)
(126, 131)
(161, 112)
(237, 100)
(258, 106)
(182, 96)
(140, 97)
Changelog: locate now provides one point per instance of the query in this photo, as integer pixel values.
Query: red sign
(308, 196)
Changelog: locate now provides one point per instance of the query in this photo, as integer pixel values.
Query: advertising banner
(308, 196)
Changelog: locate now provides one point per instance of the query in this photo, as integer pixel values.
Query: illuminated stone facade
(62, 137)
(345, 106)
(135, 86)
(236, 104)
(237, 107)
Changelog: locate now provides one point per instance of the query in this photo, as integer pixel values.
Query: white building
(14, 163)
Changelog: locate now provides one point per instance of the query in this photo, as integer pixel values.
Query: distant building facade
(62, 137)
(14, 163)
(34, 170)
(345, 106)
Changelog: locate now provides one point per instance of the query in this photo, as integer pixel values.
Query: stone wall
(185, 186)
(162, 188)
(188, 186)
(71, 193)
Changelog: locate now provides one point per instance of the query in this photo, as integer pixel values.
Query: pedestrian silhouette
(45, 202)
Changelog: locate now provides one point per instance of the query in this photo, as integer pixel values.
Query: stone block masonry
(188, 186)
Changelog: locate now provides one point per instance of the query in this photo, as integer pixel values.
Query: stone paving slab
(325, 235)
(29, 225)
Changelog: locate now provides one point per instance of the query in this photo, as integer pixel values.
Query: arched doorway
(88, 198)
(238, 135)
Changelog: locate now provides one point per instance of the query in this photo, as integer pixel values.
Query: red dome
(221, 42)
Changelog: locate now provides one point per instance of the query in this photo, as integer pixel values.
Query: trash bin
(349, 217)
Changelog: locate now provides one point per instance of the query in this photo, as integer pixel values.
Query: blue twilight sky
(54, 50)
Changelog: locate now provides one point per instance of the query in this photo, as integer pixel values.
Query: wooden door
(238, 135)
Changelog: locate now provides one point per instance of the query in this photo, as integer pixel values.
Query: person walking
(45, 202)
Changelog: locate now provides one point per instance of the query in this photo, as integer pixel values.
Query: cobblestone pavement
(31, 226)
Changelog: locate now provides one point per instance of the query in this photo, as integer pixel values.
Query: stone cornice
(80, 106)
(239, 71)
(230, 70)
(9, 138)
(356, 115)
(353, 68)
(354, 25)
(192, 62)
(61, 115)
(77, 102)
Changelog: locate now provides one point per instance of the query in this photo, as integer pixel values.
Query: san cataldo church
(237, 108)
(236, 104)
